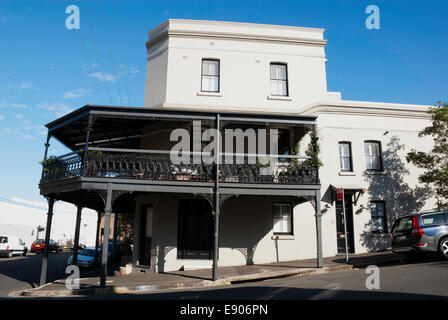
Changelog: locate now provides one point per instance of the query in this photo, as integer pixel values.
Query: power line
(89, 64)
(86, 56)
(96, 50)
(121, 53)
(28, 205)
(110, 51)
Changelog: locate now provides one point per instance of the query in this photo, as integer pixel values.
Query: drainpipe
(217, 204)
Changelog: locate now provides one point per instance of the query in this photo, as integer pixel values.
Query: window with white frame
(210, 75)
(345, 156)
(279, 79)
(372, 151)
(283, 218)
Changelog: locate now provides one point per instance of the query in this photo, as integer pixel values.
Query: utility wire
(90, 65)
(86, 56)
(24, 204)
(96, 50)
(121, 53)
(110, 51)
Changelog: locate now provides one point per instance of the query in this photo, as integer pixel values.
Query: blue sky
(47, 70)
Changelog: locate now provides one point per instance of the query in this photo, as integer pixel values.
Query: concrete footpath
(150, 282)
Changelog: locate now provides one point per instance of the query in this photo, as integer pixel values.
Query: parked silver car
(422, 232)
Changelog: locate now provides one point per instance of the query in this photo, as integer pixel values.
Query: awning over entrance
(357, 190)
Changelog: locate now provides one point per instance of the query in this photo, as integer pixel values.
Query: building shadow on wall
(245, 236)
(400, 198)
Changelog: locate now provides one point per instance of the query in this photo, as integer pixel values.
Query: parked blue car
(86, 257)
(421, 233)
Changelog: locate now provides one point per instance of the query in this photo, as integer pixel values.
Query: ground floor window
(283, 218)
(378, 216)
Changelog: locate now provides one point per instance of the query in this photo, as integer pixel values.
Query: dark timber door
(349, 223)
(145, 235)
(195, 228)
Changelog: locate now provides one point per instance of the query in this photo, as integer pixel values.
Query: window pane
(282, 218)
(210, 67)
(281, 72)
(275, 90)
(282, 88)
(378, 224)
(436, 218)
(404, 224)
(287, 226)
(341, 163)
(372, 149)
(378, 216)
(375, 163)
(214, 84)
(277, 225)
(273, 71)
(210, 83)
(373, 155)
(344, 155)
(367, 149)
(279, 83)
(346, 164)
(206, 83)
(343, 149)
(278, 72)
(377, 209)
(375, 149)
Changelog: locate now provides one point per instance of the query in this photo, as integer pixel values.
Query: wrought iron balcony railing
(149, 166)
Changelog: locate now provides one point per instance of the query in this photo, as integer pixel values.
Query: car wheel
(443, 248)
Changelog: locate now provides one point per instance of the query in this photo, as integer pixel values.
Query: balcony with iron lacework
(132, 146)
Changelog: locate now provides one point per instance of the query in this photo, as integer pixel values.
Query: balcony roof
(121, 126)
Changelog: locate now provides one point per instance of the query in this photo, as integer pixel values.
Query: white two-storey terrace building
(241, 76)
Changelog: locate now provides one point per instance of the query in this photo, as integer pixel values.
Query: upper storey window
(373, 155)
(279, 79)
(210, 75)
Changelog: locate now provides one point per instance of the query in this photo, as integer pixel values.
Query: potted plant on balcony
(52, 163)
(264, 166)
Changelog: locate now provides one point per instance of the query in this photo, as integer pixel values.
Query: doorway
(349, 224)
(195, 229)
(146, 220)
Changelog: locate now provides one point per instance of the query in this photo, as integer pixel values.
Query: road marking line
(272, 294)
(327, 293)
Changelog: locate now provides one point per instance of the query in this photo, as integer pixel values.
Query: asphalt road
(426, 280)
(24, 272)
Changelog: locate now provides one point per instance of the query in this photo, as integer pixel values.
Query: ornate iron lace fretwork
(160, 167)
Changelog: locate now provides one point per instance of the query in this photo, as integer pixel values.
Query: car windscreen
(3, 239)
(84, 252)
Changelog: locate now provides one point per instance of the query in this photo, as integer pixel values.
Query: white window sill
(346, 173)
(283, 98)
(283, 237)
(209, 94)
(373, 172)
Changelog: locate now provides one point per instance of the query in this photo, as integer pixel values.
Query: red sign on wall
(339, 194)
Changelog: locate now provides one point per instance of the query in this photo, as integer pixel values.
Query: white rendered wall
(395, 186)
(244, 66)
(245, 234)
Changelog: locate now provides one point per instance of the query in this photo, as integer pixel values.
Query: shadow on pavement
(261, 293)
